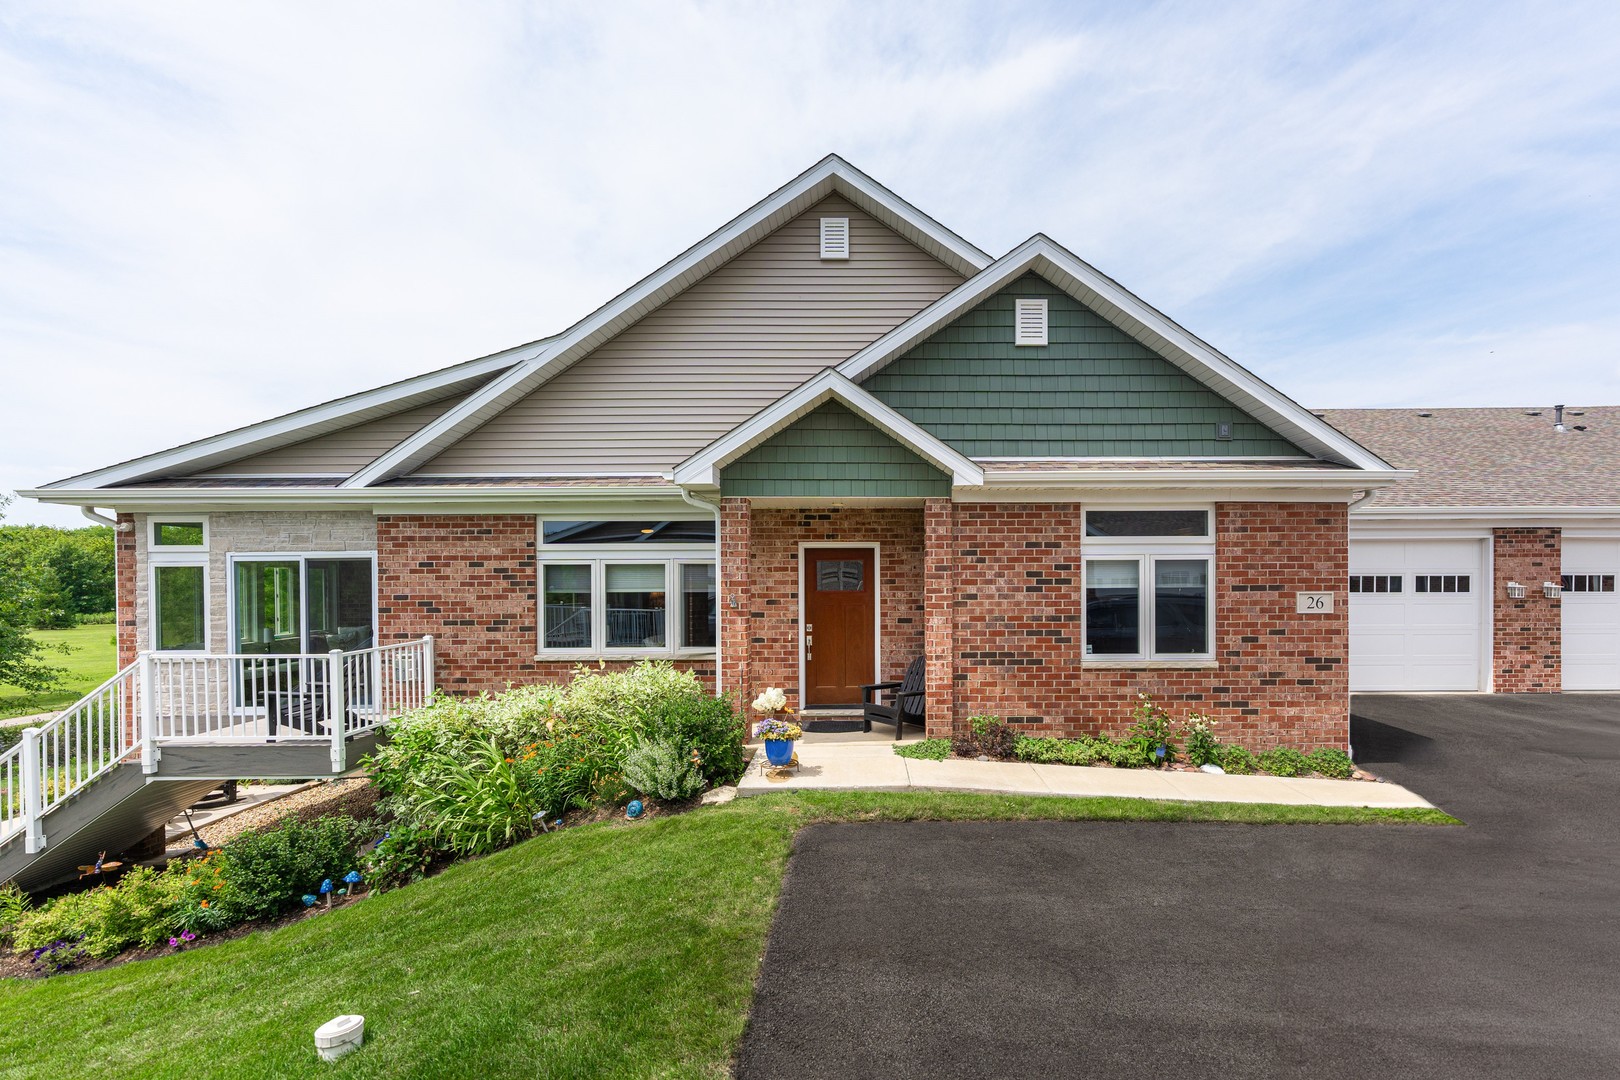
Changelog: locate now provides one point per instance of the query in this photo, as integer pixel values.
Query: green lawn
(609, 950)
(93, 661)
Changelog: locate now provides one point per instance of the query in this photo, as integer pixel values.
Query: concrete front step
(868, 766)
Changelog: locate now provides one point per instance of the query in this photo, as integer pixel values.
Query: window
(1148, 589)
(1440, 583)
(840, 575)
(1142, 523)
(835, 238)
(180, 535)
(1375, 583)
(1029, 322)
(632, 587)
(180, 608)
(1588, 583)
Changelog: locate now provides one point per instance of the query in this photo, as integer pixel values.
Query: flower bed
(1155, 741)
(458, 778)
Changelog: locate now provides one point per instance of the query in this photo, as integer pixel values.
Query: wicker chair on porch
(909, 695)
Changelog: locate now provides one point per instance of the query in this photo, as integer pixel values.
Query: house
(829, 438)
(1493, 567)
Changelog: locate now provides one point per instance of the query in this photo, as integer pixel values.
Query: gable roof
(702, 469)
(304, 424)
(1488, 458)
(1041, 255)
(831, 174)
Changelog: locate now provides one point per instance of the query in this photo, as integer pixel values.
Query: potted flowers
(779, 734)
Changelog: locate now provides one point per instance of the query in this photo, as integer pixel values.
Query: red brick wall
(1281, 677)
(124, 589)
(939, 617)
(1528, 650)
(469, 580)
(766, 621)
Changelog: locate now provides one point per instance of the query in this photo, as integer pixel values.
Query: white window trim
(301, 558)
(598, 556)
(152, 636)
(1146, 551)
(152, 546)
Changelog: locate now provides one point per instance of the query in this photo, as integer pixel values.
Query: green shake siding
(1094, 391)
(832, 453)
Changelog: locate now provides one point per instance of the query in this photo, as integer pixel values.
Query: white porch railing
(168, 698)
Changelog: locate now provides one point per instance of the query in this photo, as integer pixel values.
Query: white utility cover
(1591, 618)
(1411, 640)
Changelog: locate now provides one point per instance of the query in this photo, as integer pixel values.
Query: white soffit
(1041, 255)
(832, 174)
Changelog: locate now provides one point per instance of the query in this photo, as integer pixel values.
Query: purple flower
(187, 935)
(174, 943)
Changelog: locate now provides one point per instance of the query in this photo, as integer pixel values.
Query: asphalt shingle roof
(1492, 457)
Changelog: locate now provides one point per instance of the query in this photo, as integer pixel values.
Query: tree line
(49, 577)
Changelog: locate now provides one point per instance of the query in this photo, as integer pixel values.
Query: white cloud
(212, 214)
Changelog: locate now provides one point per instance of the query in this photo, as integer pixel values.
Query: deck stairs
(127, 757)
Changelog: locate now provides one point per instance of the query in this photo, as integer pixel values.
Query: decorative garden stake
(352, 879)
(326, 891)
(634, 809)
(309, 901)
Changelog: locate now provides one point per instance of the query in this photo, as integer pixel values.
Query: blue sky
(211, 214)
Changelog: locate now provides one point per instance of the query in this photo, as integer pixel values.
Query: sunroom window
(601, 594)
(1148, 585)
(180, 607)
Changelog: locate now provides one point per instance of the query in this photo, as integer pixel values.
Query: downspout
(102, 519)
(719, 602)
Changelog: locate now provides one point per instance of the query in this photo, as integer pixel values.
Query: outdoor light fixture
(1551, 590)
(1515, 591)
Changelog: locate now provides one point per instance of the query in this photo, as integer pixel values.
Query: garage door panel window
(1441, 583)
(1375, 583)
(1588, 583)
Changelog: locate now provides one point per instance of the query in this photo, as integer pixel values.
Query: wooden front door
(839, 624)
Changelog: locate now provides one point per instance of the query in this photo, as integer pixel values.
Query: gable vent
(1029, 322)
(835, 238)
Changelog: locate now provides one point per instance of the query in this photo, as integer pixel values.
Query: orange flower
(205, 903)
(221, 885)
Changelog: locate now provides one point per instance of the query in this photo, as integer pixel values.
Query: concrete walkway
(864, 764)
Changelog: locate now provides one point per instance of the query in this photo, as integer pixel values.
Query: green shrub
(106, 920)
(986, 736)
(1154, 727)
(663, 768)
(1202, 746)
(1330, 762)
(1238, 760)
(13, 904)
(265, 873)
(925, 749)
(1047, 750)
(707, 724)
(473, 800)
(1136, 752)
(98, 618)
(402, 856)
(1284, 761)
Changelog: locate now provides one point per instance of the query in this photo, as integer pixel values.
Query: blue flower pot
(778, 751)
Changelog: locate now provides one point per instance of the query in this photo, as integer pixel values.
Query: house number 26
(1313, 603)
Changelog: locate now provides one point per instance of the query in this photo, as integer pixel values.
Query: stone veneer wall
(1527, 650)
(235, 532)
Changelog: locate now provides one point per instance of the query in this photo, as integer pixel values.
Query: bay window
(629, 588)
(1148, 585)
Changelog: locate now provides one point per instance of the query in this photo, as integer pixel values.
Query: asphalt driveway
(1187, 950)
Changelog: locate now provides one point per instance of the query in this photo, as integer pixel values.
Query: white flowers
(772, 700)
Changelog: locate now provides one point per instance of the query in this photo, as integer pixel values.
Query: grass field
(93, 661)
(607, 950)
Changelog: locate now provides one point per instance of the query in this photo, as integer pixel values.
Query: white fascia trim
(1487, 513)
(830, 174)
(702, 470)
(293, 427)
(1112, 301)
(384, 500)
(1314, 479)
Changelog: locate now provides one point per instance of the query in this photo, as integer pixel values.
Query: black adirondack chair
(908, 700)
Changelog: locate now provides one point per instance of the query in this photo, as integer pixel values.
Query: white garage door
(1591, 615)
(1416, 614)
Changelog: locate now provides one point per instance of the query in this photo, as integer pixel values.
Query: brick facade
(760, 635)
(1278, 676)
(991, 593)
(1527, 654)
(469, 580)
(125, 590)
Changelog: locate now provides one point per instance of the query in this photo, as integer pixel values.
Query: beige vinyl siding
(340, 452)
(713, 356)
